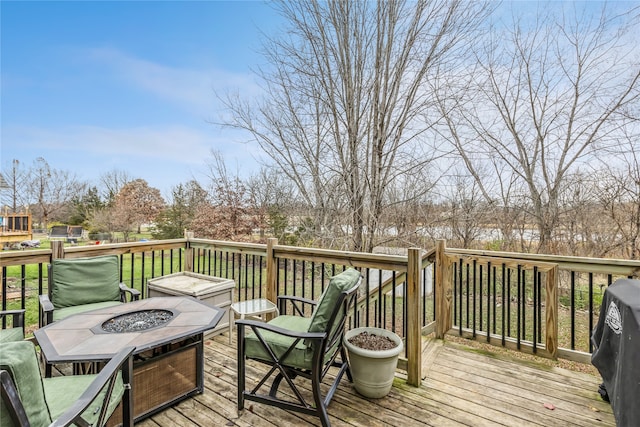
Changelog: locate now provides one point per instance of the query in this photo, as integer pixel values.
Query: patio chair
(296, 346)
(83, 284)
(15, 331)
(30, 400)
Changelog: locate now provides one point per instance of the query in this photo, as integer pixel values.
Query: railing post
(188, 252)
(443, 291)
(272, 273)
(57, 249)
(413, 334)
(551, 311)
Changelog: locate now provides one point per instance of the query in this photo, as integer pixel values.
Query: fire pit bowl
(137, 321)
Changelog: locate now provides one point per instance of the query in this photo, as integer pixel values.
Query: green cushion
(327, 302)
(300, 357)
(20, 360)
(11, 334)
(85, 280)
(61, 392)
(68, 311)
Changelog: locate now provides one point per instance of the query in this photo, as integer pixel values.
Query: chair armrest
(17, 317)
(256, 325)
(46, 310)
(12, 401)
(298, 303)
(135, 294)
(104, 380)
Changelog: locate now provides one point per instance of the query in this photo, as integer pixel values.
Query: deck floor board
(460, 387)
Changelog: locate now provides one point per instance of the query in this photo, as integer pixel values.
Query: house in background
(14, 227)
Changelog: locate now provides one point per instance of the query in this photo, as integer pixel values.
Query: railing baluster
(467, 268)
(534, 338)
(475, 295)
(591, 311)
(504, 301)
(495, 322)
(518, 302)
(489, 301)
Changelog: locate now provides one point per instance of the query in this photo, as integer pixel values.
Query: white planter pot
(372, 371)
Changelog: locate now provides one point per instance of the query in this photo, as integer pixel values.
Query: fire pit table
(168, 335)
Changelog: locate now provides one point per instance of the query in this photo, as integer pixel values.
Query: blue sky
(97, 86)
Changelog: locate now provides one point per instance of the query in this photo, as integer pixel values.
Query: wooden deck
(461, 387)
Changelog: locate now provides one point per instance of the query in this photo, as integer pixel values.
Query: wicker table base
(163, 377)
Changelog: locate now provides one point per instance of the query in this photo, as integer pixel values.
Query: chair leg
(278, 380)
(275, 384)
(319, 401)
(343, 357)
(241, 367)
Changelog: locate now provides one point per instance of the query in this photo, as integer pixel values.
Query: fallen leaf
(594, 409)
(549, 406)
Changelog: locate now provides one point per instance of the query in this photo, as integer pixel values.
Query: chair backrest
(329, 299)
(331, 312)
(20, 360)
(81, 281)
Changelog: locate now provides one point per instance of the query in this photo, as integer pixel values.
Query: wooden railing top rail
(259, 249)
(330, 256)
(352, 259)
(123, 248)
(9, 258)
(427, 258)
(35, 256)
(579, 264)
(523, 262)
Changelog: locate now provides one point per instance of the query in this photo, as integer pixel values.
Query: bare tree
(14, 195)
(619, 197)
(51, 192)
(274, 197)
(342, 99)
(466, 211)
(229, 213)
(547, 97)
(112, 182)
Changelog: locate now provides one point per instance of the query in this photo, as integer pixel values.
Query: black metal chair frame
(17, 318)
(321, 342)
(123, 361)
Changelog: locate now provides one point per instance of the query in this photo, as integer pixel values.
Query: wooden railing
(531, 303)
(542, 304)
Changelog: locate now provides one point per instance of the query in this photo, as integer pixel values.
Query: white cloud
(171, 142)
(192, 88)
(163, 155)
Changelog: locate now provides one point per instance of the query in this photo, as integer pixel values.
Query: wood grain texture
(460, 387)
